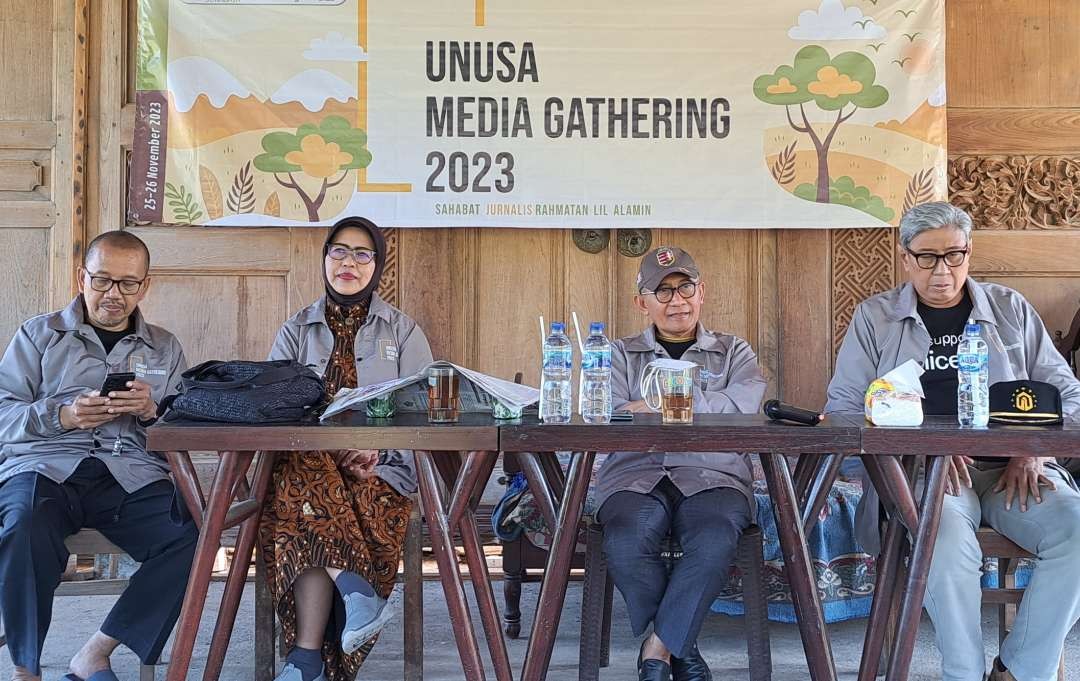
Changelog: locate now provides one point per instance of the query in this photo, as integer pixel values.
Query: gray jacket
(53, 359)
(886, 331)
(733, 385)
(389, 345)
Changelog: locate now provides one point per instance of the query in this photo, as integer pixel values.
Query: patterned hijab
(363, 297)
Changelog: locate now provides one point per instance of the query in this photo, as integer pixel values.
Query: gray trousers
(707, 526)
(1051, 604)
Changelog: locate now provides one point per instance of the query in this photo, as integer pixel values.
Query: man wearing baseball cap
(702, 500)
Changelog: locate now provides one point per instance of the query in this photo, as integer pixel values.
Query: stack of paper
(474, 388)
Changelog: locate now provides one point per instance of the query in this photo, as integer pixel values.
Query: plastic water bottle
(555, 387)
(596, 376)
(973, 393)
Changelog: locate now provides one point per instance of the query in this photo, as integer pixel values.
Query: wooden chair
(1007, 597)
(598, 593)
(92, 542)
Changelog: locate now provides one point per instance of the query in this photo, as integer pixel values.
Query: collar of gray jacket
(73, 317)
(907, 302)
(707, 341)
(316, 312)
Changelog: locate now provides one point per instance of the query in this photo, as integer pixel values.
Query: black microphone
(778, 411)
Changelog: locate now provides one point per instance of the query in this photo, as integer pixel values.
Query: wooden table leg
(473, 477)
(230, 465)
(187, 482)
(919, 569)
(817, 494)
(414, 596)
(880, 610)
(799, 569)
(557, 571)
(238, 571)
(449, 570)
(485, 597)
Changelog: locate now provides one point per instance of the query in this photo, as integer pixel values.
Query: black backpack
(244, 392)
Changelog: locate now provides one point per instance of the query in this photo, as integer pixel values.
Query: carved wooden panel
(1017, 192)
(388, 287)
(863, 263)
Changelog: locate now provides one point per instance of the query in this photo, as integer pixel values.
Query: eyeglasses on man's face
(929, 261)
(361, 256)
(664, 294)
(128, 287)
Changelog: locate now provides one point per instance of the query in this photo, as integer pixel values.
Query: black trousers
(707, 526)
(37, 514)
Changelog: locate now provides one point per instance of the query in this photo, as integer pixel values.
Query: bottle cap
(596, 327)
(557, 327)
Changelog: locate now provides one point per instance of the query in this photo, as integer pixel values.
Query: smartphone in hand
(116, 383)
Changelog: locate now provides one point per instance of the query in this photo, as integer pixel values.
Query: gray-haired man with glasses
(1029, 499)
(71, 457)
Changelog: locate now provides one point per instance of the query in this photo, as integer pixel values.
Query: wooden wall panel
(238, 318)
(999, 52)
(1064, 39)
(519, 275)
(805, 316)
(26, 41)
(25, 258)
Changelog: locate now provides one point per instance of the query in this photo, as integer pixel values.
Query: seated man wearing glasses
(703, 501)
(1029, 499)
(71, 457)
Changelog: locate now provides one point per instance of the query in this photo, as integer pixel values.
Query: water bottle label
(969, 361)
(595, 360)
(557, 361)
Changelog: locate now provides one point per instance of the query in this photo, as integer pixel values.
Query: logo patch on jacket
(387, 349)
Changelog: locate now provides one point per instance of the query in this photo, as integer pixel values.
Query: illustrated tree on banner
(321, 152)
(842, 84)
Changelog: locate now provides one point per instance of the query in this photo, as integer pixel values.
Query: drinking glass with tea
(667, 386)
(442, 395)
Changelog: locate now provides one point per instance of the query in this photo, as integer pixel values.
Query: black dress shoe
(652, 670)
(690, 668)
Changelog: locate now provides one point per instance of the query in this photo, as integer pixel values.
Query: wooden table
(709, 432)
(890, 455)
(475, 435)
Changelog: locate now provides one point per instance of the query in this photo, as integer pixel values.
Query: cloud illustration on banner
(312, 88)
(938, 98)
(189, 77)
(833, 21)
(334, 47)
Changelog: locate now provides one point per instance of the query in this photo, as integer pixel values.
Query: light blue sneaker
(291, 673)
(365, 616)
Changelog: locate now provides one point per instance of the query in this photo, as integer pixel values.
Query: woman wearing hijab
(334, 526)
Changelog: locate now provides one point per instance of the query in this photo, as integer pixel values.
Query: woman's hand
(1024, 476)
(358, 463)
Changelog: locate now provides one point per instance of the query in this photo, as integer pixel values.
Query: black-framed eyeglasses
(664, 294)
(361, 256)
(929, 261)
(128, 287)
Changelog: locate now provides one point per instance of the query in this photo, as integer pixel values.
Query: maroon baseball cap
(661, 262)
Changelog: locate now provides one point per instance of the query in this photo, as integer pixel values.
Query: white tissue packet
(895, 399)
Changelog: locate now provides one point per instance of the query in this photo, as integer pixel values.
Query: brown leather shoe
(999, 673)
